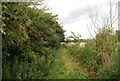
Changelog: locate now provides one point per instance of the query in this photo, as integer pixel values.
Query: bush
(37, 68)
(100, 55)
(29, 37)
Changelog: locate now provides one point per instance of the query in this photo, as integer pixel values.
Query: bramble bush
(29, 39)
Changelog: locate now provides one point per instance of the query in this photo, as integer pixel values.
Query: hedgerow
(29, 37)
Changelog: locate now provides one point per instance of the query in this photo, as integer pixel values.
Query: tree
(76, 38)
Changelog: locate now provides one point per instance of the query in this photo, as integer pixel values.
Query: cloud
(74, 14)
(79, 14)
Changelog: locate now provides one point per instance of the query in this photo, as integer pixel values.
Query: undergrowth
(37, 68)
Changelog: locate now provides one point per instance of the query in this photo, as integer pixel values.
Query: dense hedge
(28, 33)
(28, 29)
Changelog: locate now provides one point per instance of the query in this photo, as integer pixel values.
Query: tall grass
(106, 52)
(100, 55)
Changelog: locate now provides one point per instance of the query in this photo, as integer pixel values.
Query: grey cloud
(78, 14)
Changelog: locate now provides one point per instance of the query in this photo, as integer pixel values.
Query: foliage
(106, 51)
(99, 55)
(30, 40)
(118, 35)
(23, 69)
(28, 34)
(73, 38)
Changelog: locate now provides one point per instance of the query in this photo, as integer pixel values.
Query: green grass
(64, 67)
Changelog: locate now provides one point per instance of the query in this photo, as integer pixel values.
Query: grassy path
(65, 67)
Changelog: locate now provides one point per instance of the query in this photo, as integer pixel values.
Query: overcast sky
(75, 15)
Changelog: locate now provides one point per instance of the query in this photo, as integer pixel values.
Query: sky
(76, 15)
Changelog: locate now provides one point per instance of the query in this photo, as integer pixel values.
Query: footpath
(65, 67)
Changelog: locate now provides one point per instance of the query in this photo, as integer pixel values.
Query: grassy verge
(99, 56)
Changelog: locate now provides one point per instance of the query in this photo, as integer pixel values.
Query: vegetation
(31, 47)
(73, 38)
(100, 55)
(28, 34)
